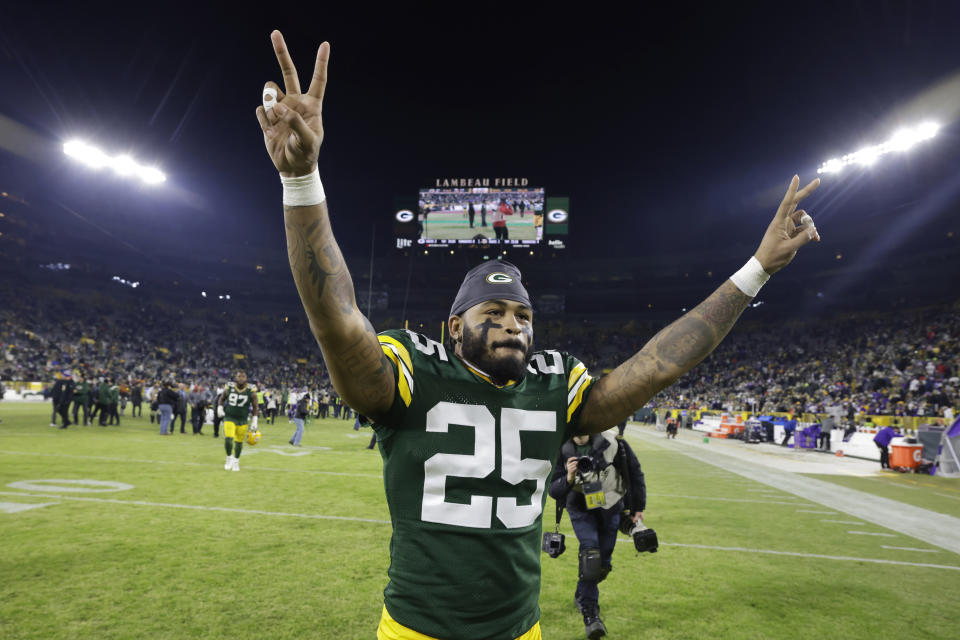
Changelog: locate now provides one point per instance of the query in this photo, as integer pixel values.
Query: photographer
(600, 480)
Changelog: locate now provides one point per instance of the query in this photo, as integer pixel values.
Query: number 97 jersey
(465, 464)
(237, 403)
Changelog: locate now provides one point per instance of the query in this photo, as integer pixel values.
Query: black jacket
(63, 392)
(168, 396)
(303, 408)
(625, 459)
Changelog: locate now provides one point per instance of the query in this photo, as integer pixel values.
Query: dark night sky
(673, 125)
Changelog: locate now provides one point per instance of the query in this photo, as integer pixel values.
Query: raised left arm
(684, 343)
(666, 357)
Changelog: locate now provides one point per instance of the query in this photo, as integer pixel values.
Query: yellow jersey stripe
(401, 350)
(575, 375)
(585, 381)
(574, 388)
(404, 378)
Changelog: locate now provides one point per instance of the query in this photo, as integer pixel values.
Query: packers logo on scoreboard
(557, 215)
(404, 215)
(498, 277)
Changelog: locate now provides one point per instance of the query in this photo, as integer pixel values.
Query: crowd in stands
(903, 364)
(898, 364)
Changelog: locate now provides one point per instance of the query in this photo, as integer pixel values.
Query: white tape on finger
(806, 220)
(269, 98)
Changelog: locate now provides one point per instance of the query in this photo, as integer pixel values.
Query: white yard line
(883, 546)
(844, 521)
(673, 495)
(870, 533)
(317, 516)
(797, 554)
(944, 495)
(823, 513)
(196, 507)
(213, 464)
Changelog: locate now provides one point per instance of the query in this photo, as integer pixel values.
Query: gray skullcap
(493, 280)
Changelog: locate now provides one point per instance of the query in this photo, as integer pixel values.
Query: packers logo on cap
(498, 277)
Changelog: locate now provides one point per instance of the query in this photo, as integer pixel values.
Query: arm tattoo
(358, 367)
(667, 356)
(316, 261)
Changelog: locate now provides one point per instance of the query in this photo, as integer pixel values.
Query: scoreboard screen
(481, 217)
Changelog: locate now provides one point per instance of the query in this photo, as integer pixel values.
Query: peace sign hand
(293, 128)
(787, 232)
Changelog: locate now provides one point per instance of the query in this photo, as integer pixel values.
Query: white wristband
(750, 277)
(303, 191)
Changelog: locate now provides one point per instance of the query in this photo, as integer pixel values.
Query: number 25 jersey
(465, 464)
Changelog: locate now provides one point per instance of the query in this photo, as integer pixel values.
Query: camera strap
(620, 460)
(559, 513)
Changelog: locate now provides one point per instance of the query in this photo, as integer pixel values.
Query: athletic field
(117, 532)
(455, 225)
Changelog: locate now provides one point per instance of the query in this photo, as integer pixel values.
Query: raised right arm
(292, 133)
(359, 370)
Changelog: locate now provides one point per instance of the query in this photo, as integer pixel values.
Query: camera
(644, 538)
(585, 464)
(553, 544)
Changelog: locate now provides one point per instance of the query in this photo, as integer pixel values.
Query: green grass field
(295, 545)
(456, 226)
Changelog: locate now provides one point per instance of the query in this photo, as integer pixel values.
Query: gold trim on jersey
(390, 629)
(577, 386)
(401, 358)
(575, 375)
(480, 374)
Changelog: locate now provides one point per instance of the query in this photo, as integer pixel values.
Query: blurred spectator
(62, 398)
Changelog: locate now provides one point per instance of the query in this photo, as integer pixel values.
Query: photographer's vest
(613, 486)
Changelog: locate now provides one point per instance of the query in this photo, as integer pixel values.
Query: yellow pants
(236, 431)
(390, 629)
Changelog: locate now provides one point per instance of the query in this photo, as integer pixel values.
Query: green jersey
(237, 403)
(465, 463)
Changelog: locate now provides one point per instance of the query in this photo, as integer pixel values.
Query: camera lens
(585, 464)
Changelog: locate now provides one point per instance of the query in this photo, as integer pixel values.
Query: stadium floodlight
(132, 285)
(901, 140)
(122, 165)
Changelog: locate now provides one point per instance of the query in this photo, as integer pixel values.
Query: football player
(468, 435)
(240, 413)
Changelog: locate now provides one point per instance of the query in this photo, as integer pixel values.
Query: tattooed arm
(668, 355)
(292, 133)
(684, 343)
(359, 370)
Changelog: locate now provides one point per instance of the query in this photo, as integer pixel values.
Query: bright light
(203, 293)
(901, 140)
(132, 285)
(122, 165)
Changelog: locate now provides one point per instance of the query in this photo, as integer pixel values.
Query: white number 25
(514, 469)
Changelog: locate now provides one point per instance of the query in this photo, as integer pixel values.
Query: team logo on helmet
(557, 215)
(498, 277)
(253, 437)
(404, 215)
